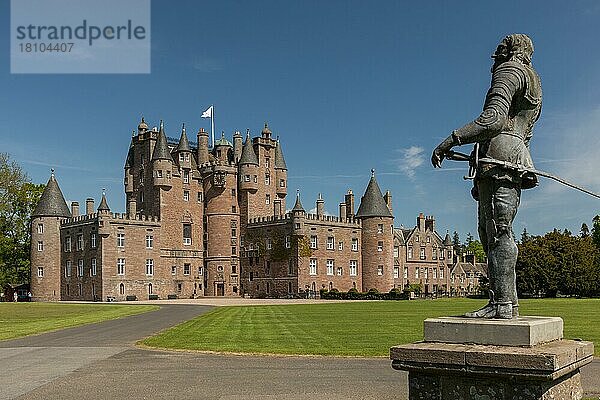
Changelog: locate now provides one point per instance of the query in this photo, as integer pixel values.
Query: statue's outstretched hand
(441, 151)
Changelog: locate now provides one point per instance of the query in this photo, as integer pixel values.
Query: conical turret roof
(103, 203)
(372, 203)
(248, 154)
(184, 144)
(52, 202)
(447, 240)
(129, 159)
(298, 205)
(279, 160)
(161, 149)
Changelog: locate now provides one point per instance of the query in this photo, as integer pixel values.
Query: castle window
(312, 266)
(80, 268)
(449, 254)
(121, 289)
(174, 270)
(93, 240)
(68, 289)
(120, 240)
(330, 243)
(186, 269)
(409, 253)
(428, 239)
(380, 270)
(233, 250)
(121, 266)
(200, 270)
(40, 228)
(79, 242)
(416, 238)
(251, 277)
(441, 254)
(396, 251)
(288, 243)
(290, 267)
(68, 244)
(233, 268)
(297, 225)
(267, 179)
(313, 242)
(233, 192)
(329, 267)
(179, 287)
(380, 245)
(340, 271)
(416, 273)
(246, 178)
(426, 273)
(149, 267)
(267, 162)
(142, 159)
(233, 233)
(255, 178)
(269, 244)
(379, 228)
(268, 287)
(442, 273)
(186, 195)
(199, 197)
(405, 272)
(434, 253)
(141, 177)
(340, 246)
(40, 272)
(40, 245)
(149, 241)
(168, 174)
(354, 244)
(282, 183)
(68, 269)
(268, 199)
(159, 173)
(186, 176)
(289, 287)
(94, 269)
(422, 253)
(80, 288)
(353, 267)
(434, 273)
(187, 234)
(396, 272)
(149, 288)
(233, 209)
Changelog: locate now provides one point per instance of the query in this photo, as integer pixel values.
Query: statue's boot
(502, 310)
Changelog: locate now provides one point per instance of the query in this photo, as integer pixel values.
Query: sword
(474, 162)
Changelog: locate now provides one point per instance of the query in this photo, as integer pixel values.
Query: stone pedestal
(490, 366)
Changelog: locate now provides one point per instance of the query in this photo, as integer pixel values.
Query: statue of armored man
(502, 133)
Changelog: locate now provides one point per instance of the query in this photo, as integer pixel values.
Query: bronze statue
(501, 134)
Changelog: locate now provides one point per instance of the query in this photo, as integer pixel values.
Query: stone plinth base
(467, 371)
(522, 331)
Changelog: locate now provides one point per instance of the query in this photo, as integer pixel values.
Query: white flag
(208, 113)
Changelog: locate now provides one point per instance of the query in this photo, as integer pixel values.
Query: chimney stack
(75, 209)
(343, 211)
(388, 200)
(421, 222)
(89, 206)
(320, 205)
(350, 204)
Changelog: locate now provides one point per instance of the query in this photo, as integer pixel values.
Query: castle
(206, 221)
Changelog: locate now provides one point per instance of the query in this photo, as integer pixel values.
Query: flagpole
(212, 125)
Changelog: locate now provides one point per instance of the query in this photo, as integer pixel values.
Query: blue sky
(348, 86)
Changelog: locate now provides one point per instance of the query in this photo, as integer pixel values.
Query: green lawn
(348, 329)
(21, 319)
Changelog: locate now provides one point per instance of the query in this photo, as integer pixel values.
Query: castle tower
(46, 244)
(298, 215)
(162, 162)
(377, 239)
(280, 174)
(222, 223)
(129, 180)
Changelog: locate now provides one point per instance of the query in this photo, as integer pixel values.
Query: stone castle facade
(206, 221)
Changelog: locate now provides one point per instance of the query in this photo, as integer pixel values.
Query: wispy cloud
(410, 159)
(52, 165)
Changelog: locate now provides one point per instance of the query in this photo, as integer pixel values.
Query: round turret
(248, 167)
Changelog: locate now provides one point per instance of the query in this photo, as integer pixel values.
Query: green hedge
(372, 294)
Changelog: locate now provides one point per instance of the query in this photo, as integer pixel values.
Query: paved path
(99, 361)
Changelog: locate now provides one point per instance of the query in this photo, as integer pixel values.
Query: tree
(456, 241)
(585, 231)
(476, 248)
(525, 236)
(596, 231)
(18, 198)
(469, 239)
